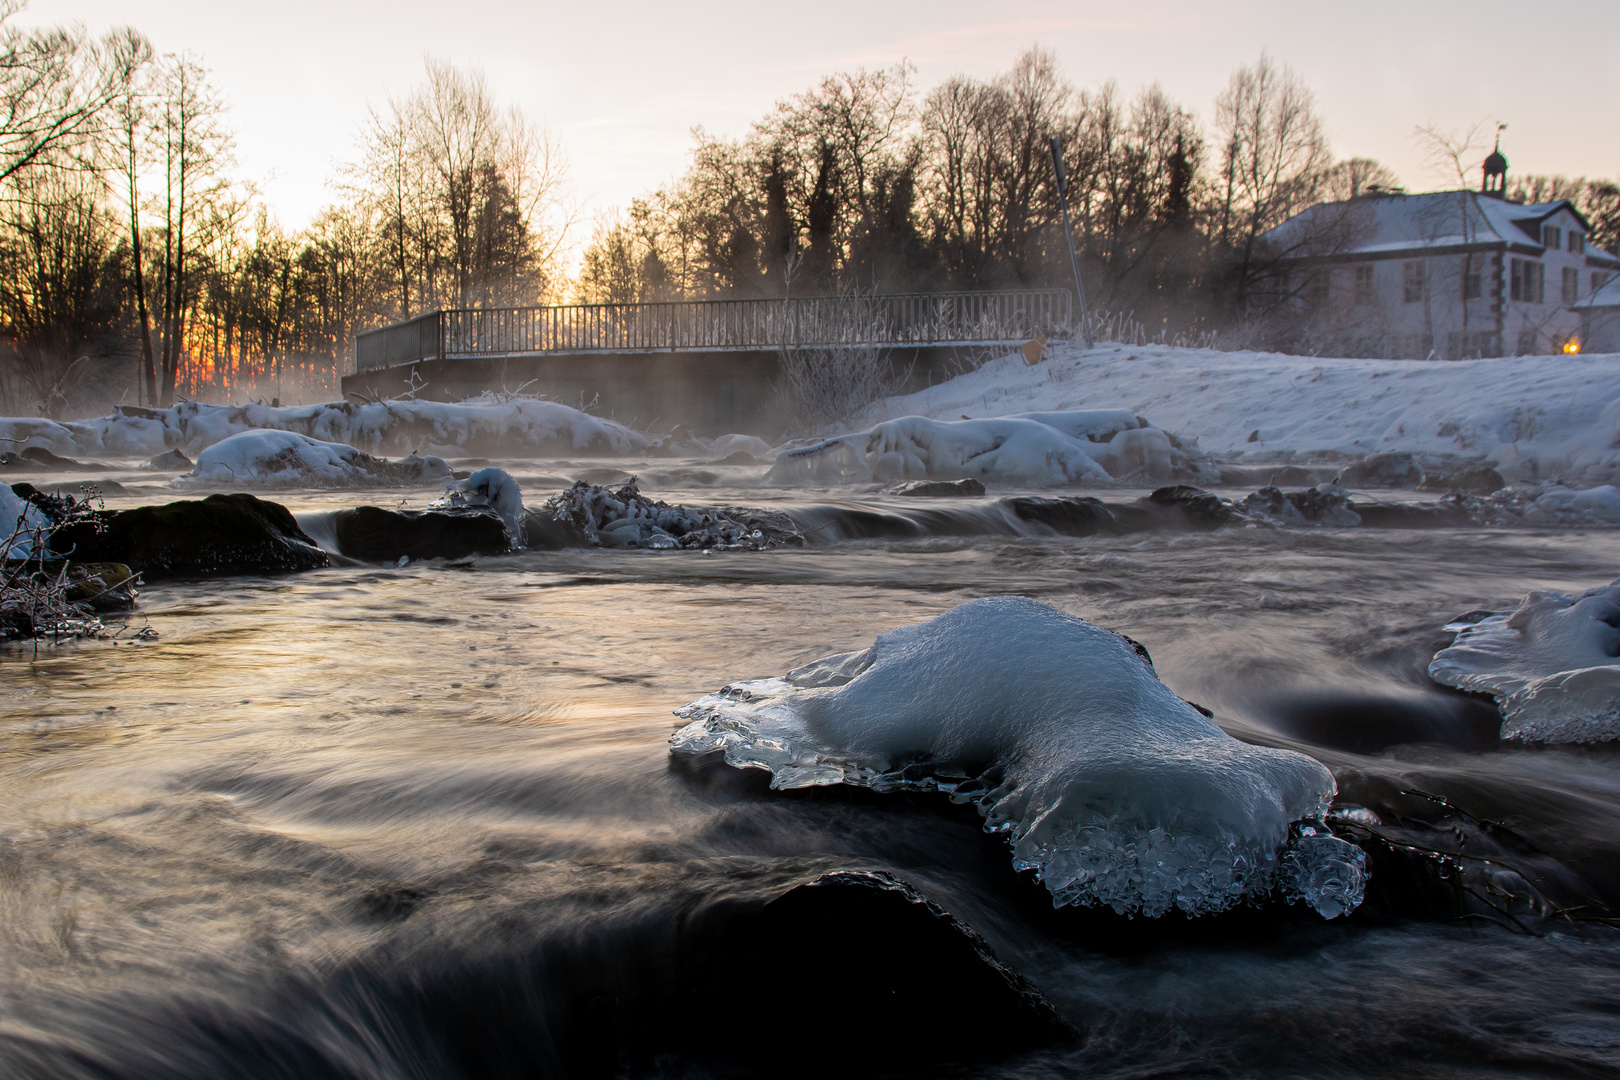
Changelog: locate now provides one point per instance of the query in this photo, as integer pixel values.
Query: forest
(138, 266)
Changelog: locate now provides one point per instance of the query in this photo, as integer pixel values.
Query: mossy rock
(105, 586)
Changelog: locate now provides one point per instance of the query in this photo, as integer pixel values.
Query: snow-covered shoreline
(1533, 417)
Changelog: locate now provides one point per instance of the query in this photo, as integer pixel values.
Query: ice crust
(1553, 665)
(1033, 450)
(488, 487)
(20, 524)
(1109, 787)
(272, 459)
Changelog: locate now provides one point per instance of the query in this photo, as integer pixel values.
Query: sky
(623, 84)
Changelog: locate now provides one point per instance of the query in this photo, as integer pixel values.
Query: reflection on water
(257, 845)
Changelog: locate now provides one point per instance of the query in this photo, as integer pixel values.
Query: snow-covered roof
(1388, 224)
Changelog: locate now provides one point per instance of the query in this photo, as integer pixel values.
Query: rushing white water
(1111, 788)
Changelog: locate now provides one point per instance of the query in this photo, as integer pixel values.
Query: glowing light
(1572, 346)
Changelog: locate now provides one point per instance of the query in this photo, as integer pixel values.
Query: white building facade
(1446, 274)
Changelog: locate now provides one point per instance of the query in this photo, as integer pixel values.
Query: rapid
(423, 821)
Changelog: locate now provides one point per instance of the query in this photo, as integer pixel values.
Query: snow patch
(1110, 788)
(1553, 665)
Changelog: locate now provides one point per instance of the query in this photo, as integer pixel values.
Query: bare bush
(35, 584)
(828, 385)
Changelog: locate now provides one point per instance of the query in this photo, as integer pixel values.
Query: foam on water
(1110, 788)
(1553, 665)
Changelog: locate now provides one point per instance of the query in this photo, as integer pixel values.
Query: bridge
(712, 364)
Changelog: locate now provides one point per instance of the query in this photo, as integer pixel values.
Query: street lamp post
(1068, 234)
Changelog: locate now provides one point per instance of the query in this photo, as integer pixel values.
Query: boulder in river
(378, 535)
(1069, 515)
(1394, 469)
(222, 534)
(170, 461)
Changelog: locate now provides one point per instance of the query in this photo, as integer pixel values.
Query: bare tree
(1274, 155)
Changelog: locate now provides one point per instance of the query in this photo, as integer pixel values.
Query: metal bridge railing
(719, 325)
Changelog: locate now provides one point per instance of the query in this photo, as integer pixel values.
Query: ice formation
(591, 515)
(1553, 665)
(489, 487)
(1110, 788)
(1558, 505)
(1324, 504)
(268, 459)
(1035, 450)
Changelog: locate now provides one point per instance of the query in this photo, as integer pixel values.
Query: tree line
(136, 264)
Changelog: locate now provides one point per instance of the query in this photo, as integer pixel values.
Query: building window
(1599, 279)
(1471, 277)
(1577, 241)
(1552, 237)
(1527, 279)
(1413, 280)
(1571, 284)
(1316, 287)
(1366, 290)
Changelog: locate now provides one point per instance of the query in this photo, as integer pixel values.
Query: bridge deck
(721, 326)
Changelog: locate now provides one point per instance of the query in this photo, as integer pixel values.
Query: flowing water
(392, 822)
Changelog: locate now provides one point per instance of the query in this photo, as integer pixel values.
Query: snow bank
(1036, 450)
(270, 459)
(489, 487)
(1553, 665)
(1111, 788)
(1533, 417)
(470, 427)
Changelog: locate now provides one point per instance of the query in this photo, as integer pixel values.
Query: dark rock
(939, 489)
(1429, 515)
(222, 534)
(39, 459)
(737, 457)
(938, 991)
(170, 461)
(86, 489)
(1198, 508)
(1071, 515)
(105, 586)
(1481, 480)
(377, 535)
(1397, 469)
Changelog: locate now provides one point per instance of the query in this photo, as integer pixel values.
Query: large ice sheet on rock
(1111, 788)
(270, 459)
(1553, 665)
(488, 487)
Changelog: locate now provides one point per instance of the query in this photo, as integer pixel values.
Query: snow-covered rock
(1553, 665)
(489, 487)
(1036, 450)
(1112, 789)
(480, 425)
(1559, 505)
(280, 459)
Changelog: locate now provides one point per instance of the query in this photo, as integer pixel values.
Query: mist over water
(422, 821)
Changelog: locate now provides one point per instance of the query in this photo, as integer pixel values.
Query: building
(1445, 274)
